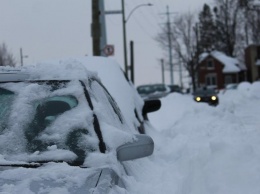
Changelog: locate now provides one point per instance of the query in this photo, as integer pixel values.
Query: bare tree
(6, 58)
(228, 15)
(254, 25)
(252, 15)
(184, 42)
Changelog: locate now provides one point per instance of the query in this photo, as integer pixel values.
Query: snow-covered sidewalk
(202, 149)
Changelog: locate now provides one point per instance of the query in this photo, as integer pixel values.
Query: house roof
(231, 65)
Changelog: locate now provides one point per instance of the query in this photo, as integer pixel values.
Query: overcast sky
(51, 29)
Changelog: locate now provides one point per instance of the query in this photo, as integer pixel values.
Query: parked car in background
(207, 95)
(61, 130)
(230, 87)
(175, 88)
(153, 91)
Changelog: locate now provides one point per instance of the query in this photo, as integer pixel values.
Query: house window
(211, 79)
(210, 64)
(228, 79)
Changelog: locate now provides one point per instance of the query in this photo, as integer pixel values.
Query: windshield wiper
(33, 164)
(36, 164)
(26, 165)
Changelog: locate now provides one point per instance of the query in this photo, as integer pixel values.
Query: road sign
(109, 50)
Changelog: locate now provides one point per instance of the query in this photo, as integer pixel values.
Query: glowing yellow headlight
(213, 98)
(198, 99)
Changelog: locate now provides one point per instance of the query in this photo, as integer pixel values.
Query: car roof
(43, 72)
(14, 74)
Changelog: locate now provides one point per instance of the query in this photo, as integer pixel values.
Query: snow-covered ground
(202, 149)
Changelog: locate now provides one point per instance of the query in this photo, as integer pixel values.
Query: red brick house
(216, 70)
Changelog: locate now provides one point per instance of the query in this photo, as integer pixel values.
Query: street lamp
(124, 30)
(146, 4)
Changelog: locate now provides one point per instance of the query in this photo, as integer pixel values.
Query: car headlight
(198, 99)
(213, 98)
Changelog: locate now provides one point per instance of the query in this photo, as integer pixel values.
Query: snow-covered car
(207, 95)
(62, 132)
(120, 88)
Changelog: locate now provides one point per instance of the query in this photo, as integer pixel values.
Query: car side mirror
(143, 146)
(151, 106)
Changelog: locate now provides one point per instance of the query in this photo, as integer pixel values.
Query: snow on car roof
(46, 71)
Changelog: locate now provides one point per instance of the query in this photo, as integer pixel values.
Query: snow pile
(202, 149)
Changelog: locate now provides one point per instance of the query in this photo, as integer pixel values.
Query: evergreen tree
(221, 32)
(207, 29)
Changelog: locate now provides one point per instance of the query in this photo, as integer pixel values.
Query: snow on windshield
(25, 131)
(79, 117)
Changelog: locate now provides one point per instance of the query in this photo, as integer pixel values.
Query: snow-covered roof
(231, 65)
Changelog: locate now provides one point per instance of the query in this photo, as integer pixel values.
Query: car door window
(104, 105)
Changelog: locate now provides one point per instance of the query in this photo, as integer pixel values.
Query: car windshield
(205, 92)
(42, 122)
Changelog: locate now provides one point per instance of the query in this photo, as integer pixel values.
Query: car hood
(52, 178)
(204, 95)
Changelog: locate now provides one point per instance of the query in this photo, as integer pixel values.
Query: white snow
(202, 149)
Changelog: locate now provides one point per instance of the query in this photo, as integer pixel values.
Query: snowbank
(202, 149)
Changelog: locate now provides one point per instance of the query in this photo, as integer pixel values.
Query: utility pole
(162, 64)
(124, 37)
(124, 21)
(22, 56)
(96, 28)
(169, 34)
(102, 20)
(170, 44)
(132, 61)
